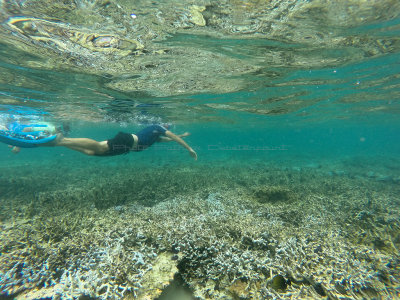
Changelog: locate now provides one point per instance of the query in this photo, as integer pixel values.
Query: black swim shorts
(122, 143)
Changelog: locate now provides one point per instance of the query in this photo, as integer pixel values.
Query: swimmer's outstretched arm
(167, 139)
(181, 142)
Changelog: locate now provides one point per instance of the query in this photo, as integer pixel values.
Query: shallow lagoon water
(296, 189)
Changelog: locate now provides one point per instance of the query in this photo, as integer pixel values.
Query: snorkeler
(39, 135)
(123, 142)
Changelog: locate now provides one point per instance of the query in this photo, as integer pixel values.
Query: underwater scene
(178, 150)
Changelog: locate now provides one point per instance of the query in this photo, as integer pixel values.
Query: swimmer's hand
(193, 153)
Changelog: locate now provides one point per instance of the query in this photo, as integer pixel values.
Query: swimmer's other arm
(177, 139)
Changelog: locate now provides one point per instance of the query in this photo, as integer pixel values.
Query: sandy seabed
(209, 231)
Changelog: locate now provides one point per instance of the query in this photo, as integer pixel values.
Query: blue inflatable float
(27, 136)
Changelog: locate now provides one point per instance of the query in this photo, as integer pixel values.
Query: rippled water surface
(250, 61)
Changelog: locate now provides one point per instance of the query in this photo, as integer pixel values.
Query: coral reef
(209, 231)
(273, 194)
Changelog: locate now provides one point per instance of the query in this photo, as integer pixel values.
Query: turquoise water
(324, 121)
(320, 121)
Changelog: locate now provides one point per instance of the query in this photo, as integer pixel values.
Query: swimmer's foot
(59, 138)
(56, 141)
(14, 149)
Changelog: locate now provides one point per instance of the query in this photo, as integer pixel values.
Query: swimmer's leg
(84, 145)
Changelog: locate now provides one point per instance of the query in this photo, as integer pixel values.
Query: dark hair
(64, 129)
